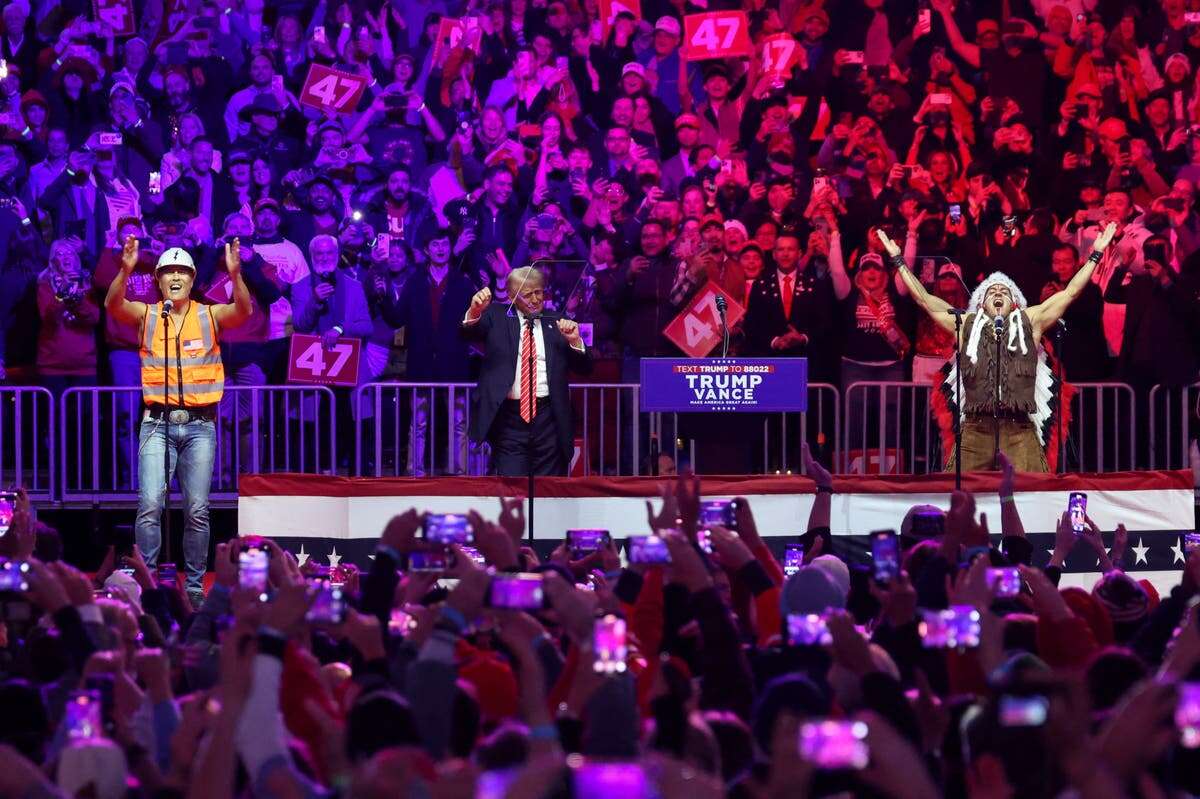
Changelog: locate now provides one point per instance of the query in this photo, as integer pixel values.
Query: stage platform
(336, 518)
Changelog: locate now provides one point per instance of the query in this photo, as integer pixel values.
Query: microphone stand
(958, 394)
(996, 403)
(1060, 368)
(721, 305)
(529, 439)
(166, 514)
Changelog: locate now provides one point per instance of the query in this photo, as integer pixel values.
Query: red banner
(697, 329)
(327, 89)
(717, 34)
(310, 362)
(454, 33)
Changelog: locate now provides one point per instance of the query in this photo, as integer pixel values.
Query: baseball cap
(817, 13)
(634, 68)
(949, 269)
(667, 24)
(175, 256)
(267, 202)
(872, 259)
(687, 121)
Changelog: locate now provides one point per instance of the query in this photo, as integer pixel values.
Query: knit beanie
(1123, 598)
(836, 570)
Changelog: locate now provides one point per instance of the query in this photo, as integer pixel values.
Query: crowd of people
(981, 136)
(953, 666)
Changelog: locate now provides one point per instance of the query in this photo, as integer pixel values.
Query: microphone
(998, 321)
(957, 311)
(167, 307)
(721, 305)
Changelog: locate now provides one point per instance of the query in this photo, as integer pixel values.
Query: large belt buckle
(179, 416)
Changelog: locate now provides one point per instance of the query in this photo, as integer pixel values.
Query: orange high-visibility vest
(194, 358)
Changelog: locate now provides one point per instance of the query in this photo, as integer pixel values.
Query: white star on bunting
(301, 556)
(334, 558)
(1177, 549)
(1139, 553)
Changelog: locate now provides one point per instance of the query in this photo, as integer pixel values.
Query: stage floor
(335, 518)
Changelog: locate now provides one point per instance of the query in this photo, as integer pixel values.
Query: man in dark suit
(522, 405)
(790, 310)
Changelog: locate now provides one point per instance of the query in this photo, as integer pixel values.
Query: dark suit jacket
(501, 334)
(435, 353)
(812, 313)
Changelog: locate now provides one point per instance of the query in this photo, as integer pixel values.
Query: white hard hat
(175, 256)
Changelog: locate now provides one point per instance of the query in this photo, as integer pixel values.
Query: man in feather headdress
(1000, 324)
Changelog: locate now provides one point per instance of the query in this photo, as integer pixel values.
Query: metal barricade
(27, 437)
(420, 429)
(820, 426)
(1174, 419)
(889, 429)
(727, 443)
(608, 429)
(1103, 429)
(401, 429)
(259, 429)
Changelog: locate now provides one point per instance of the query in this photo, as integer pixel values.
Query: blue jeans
(192, 447)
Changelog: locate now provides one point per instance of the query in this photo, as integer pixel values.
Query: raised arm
(937, 308)
(967, 51)
(119, 308)
(837, 266)
(235, 313)
(1044, 315)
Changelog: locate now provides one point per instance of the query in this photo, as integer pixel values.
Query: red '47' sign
(609, 9)
(717, 34)
(310, 362)
(697, 329)
(780, 53)
(327, 89)
(117, 15)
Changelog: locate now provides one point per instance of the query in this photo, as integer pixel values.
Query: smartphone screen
(429, 561)
(793, 559)
(14, 576)
(807, 629)
(1023, 711)
(252, 569)
(885, 555)
(833, 745)
(704, 541)
(475, 555)
(953, 628)
(122, 541)
(447, 528)
(608, 645)
(955, 213)
(1187, 715)
(585, 542)
(610, 780)
(648, 549)
(516, 592)
(718, 512)
(1077, 507)
(83, 715)
(1005, 582)
(8, 506)
(329, 605)
(168, 574)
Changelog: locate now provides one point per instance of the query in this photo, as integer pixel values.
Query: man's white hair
(323, 237)
(518, 277)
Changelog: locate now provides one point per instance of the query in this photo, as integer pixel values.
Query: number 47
(706, 34)
(326, 88)
(313, 358)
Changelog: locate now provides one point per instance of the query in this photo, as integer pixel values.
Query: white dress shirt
(539, 343)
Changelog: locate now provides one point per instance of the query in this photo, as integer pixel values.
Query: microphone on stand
(721, 306)
(998, 321)
(167, 307)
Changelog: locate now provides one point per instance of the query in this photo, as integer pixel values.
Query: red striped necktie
(528, 372)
